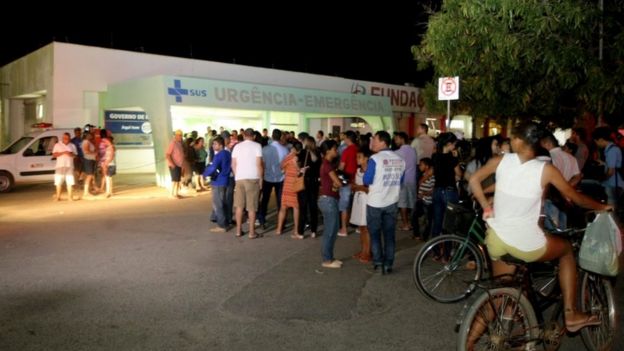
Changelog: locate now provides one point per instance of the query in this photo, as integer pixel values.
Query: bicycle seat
(509, 259)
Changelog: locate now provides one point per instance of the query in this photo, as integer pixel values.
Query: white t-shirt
(245, 154)
(64, 161)
(565, 163)
(517, 203)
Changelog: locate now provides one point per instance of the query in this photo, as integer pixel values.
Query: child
(358, 210)
(424, 197)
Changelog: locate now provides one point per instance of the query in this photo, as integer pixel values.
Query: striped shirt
(425, 190)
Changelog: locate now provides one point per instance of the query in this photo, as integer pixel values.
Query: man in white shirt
(248, 171)
(64, 152)
(568, 166)
(563, 161)
(384, 175)
(423, 143)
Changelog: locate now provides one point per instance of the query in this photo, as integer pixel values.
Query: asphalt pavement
(140, 271)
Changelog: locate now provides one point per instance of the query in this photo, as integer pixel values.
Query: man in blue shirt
(272, 156)
(613, 162)
(219, 170)
(77, 141)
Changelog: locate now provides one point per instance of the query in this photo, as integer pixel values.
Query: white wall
(84, 68)
(140, 160)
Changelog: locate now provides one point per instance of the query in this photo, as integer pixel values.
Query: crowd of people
(80, 159)
(372, 182)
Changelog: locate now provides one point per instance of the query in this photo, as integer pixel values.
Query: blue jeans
(382, 221)
(441, 196)
(218, 205)
(345, 198)
(225, 194)
(555, 218)
(331, 221)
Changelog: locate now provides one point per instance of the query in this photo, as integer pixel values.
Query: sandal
(589, 320)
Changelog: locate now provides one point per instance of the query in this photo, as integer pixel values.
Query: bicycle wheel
(500, 319)
(596, 297)
(445, 266)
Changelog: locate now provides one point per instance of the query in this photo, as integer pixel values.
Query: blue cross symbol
(177, 90)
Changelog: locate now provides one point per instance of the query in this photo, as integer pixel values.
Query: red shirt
(326, 181)
(349, 158)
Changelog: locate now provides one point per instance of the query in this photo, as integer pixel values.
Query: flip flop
(590, 320)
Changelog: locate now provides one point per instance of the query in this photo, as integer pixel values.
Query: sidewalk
(125, 186)
(35, 202)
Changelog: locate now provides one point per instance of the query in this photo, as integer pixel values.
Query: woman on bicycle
(513, 222)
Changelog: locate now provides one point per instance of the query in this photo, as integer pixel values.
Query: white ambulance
(29, 159)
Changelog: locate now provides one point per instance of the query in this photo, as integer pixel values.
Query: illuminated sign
(225, 94)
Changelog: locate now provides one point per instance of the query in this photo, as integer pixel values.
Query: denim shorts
(344, 203)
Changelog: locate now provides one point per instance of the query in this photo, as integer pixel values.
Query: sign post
(448, 89)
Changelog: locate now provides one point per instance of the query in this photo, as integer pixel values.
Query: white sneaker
(357, 230)
(343, 234)
(257, 222)
(332, 264)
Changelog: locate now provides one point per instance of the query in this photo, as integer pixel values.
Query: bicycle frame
(477, 231)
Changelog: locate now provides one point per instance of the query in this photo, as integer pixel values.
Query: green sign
(204, 92)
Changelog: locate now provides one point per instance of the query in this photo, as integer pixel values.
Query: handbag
(299, 184)
(601, 246)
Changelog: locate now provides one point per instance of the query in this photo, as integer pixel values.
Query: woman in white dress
(358, 210)
(513, 222)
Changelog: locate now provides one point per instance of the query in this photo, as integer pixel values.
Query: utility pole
(599, 120)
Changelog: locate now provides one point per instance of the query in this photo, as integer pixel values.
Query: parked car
(29, 159)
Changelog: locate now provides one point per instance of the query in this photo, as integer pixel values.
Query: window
(41, 147)
(17, 146)
(40, 111)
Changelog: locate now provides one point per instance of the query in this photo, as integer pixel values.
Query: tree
(531, 58)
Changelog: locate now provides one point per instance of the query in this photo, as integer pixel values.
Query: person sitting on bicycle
(513, 223)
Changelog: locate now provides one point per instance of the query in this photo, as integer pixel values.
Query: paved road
(142, 272)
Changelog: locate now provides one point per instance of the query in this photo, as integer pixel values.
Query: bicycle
(511, 312)
(443, 278)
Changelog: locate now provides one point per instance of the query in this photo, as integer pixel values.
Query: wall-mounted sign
(129, 127)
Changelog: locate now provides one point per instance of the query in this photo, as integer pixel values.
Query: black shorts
(78, 161)
(199, 168)
(176, 173)
(88, 166)
(111, 170)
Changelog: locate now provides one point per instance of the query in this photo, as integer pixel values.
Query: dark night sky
(368, 44)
